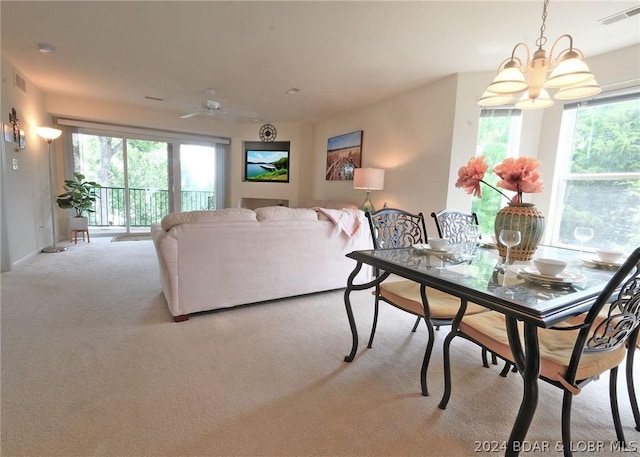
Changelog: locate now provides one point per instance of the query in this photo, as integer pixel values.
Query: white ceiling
(341, 55)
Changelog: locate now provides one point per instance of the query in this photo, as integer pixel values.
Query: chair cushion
(489, 329)
(406, 294)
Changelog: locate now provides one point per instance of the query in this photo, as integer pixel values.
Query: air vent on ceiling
(620, 16)
(20, 82)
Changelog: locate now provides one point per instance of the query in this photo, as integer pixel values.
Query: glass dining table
(516, 292)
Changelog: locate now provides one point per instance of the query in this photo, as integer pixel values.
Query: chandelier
(567, 72)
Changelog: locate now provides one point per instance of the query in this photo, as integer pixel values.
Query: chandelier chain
(543, 40)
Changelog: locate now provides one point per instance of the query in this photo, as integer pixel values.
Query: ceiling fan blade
(187, 116)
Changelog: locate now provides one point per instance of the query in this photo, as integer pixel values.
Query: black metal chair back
(395, 228)
(451, 224)
(622, 297)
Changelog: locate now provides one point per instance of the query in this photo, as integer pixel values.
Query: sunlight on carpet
(132, 237)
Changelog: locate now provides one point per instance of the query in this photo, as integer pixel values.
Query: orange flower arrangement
(516, 174)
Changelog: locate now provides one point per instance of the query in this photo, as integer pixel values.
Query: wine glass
(471, 234)
(582, 234)
(509, 238)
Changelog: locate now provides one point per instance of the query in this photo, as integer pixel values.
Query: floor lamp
(49, 134)
(368, 179)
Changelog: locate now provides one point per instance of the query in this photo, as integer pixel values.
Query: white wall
(299, 138)
(25, 191)
(409, 136)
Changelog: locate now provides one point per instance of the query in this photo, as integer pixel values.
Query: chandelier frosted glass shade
(510, 80)
(541, 101)
(569, 72)
(493, 99)
(578, 91)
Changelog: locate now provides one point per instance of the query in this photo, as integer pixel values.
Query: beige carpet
(93, 365)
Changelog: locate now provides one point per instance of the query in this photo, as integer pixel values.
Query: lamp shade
(48, 133)
(368, 178)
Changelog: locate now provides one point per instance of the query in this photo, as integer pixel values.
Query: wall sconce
(368, 179)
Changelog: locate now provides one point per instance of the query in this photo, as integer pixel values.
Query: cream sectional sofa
(224, 258)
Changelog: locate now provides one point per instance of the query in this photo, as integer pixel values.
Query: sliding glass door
(134, 179)
(146, 175)
(146, 183)
(197, 177)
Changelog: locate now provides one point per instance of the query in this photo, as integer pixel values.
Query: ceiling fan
(211, 107)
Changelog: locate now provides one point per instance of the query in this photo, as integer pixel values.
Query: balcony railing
(147, 206)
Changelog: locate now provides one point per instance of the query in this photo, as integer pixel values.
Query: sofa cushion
(218, 215)
(279, 213)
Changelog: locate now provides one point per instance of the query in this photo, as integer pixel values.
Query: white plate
(565, 277)
(425, 248)
(594, 260)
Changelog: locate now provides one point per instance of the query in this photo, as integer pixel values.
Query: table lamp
(49, 134)
(368, 179)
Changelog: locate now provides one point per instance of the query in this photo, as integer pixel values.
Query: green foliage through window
(498, 132)
(601, 176)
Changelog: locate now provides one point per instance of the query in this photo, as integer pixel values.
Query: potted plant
(80, 196)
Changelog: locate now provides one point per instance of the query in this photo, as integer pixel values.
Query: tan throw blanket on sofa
(346, 220)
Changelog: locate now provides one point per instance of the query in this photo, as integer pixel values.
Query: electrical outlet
(14, 163)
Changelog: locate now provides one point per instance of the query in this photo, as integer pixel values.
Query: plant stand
(78, 224)
(74, 235)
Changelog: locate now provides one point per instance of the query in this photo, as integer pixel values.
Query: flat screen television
(266, 162)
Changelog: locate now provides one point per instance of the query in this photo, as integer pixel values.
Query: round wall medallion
(268, 132)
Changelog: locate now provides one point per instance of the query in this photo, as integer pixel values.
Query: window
(146, 174)
(498, 138)
(598, 176)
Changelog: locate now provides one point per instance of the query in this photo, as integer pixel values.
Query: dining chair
(451, 224)
(395, 228)
(574, 352)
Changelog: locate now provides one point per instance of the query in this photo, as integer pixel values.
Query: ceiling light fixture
(567, 72)
(293, 91)
(46, 48)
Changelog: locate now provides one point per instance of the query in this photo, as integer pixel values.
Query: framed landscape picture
(266, 162)
(344, 155)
